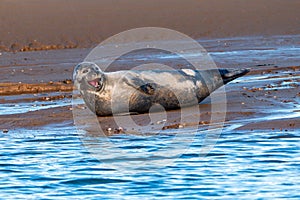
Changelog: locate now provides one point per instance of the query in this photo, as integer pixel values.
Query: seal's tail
(231, 74)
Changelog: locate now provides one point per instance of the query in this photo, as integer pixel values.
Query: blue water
(53, 163)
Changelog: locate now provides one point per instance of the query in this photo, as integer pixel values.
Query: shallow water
(60, 162)
(13, 108)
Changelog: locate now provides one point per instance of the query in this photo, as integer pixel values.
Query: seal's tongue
(94, 82)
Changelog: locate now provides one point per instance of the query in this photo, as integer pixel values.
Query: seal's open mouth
(95, 83)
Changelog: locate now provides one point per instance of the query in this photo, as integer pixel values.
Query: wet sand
(249, 103)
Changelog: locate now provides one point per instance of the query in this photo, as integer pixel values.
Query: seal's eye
(85, 71)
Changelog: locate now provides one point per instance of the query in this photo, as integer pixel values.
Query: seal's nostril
(85, 71)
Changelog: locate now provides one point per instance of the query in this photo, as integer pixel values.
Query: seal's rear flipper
(231, 74)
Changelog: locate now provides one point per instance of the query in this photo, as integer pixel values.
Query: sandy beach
(41, 43)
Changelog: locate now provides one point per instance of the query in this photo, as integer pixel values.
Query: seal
(107, 93)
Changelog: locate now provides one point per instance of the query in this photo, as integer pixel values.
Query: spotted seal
(107, 93)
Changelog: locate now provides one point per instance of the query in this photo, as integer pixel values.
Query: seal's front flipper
(148, 88)
(141, 85)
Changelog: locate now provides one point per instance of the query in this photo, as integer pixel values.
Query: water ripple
(252, 165)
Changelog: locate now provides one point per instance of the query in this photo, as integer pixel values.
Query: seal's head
(88, 76)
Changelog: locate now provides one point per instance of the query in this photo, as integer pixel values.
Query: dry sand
(52, 24)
